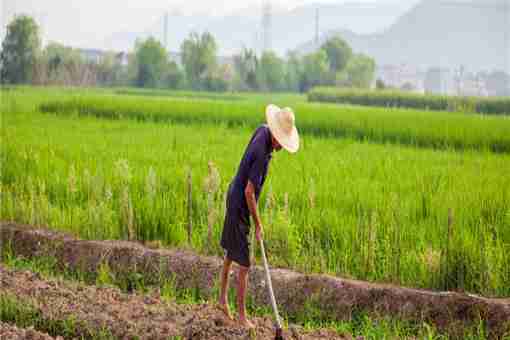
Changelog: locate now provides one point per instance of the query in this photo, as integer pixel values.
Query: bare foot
(225, 310)
(245, 323)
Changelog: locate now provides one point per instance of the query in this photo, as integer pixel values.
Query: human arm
(249, 194)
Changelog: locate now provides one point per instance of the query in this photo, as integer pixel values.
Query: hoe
(278, 331)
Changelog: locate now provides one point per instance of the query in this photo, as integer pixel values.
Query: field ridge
(337, 298)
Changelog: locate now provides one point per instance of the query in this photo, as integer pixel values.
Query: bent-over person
(243, 194)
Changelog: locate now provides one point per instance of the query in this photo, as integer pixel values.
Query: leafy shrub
(394, 98)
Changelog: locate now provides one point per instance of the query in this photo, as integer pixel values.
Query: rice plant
(395, 98)
(427, 129)
(359, 209)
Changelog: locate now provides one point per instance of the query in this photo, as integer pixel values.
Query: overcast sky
(85, 23)
(112, 7)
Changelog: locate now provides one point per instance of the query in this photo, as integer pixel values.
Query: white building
(399, 76)
(122, 58)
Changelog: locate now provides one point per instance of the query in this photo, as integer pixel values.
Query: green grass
(204, 95)
(395, 98)
(181, 94)
(429, 129)
(357, 209)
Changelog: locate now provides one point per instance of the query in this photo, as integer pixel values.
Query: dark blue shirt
(253, 167)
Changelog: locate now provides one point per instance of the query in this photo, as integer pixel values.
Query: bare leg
(223, 298)
(241, 296)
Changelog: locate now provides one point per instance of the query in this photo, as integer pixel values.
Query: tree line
(196, 66)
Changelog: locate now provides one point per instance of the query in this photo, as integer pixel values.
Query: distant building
(96, 56)
(497, 83)
(443, 81)
(438, 81)
(401, 76)
(92, 55)
(388, 74)
(122, 58)
(472, 85)
(225, 61)
(177, 58)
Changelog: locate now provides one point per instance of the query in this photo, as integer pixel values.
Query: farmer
(243, 196)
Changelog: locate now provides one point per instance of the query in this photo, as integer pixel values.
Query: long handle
(270, 286)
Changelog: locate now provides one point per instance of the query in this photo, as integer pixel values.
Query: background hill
(475, 34)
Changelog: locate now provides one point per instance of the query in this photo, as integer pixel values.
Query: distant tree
(215, 81)
(108, 70)
(379, 84)
(20, 50)
(65, 66)
(245, 65)
(152, 61)
(227, 73)
(47, 65)
(132, 68)
(407, 87)
(433, 80)
(271, 72)
(342, 79)
(199, 58)
(360, 70)
(172, 76)
(120, 71)
(293, 72)
(315, 70)
(60, 61)
(339, 53)
(58, 54)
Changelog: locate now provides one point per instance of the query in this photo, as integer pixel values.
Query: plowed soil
(335, 297)
(128, 316)
(10, 332)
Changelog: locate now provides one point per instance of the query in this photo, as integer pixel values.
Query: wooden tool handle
(270, 286)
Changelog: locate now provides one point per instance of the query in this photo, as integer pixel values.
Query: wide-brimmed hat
(282, 125)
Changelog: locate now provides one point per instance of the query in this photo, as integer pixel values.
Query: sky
(111, 7)
(85, 23)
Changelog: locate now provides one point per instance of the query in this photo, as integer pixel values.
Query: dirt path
(336, 298)
(10, 332)
(129, 315)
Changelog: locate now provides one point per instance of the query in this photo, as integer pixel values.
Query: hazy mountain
(443, 33)
(179, 26)
(289, 27)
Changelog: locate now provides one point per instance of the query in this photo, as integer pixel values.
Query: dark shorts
(234, 238)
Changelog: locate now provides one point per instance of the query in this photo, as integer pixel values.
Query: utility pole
(165, 31)
(317, 27)
(256, 42)
(460, 80)
(42, 27)
(8, 11)
(507, 45)
(266, 26)
(3, 19)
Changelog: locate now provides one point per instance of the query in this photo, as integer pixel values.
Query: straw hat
(281, 123)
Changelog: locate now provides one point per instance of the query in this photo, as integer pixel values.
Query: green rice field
(417, 198)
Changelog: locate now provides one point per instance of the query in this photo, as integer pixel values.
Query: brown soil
(129, 315)
(10, 332)
(336, 298)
